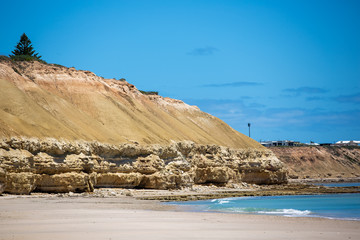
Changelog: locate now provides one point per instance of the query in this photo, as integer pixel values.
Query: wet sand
(123, 217)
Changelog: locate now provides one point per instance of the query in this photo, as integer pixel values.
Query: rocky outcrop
(320, 162)
(30, 164)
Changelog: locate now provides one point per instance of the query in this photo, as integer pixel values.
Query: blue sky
(290, 68)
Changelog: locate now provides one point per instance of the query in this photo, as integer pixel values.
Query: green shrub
(58, 65)
(149, 92)
(26, 58)
(4, 58)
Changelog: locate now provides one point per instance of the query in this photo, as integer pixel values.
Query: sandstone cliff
(41, 100)
(69, 130)
(62, 166)
(320, 162)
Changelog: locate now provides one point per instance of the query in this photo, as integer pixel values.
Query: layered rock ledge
(50, 165)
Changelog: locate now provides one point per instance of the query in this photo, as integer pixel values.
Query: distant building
(293, 143)
(347, 143)
(312, 144)
(279, 143)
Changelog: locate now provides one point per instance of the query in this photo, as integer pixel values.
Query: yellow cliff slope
(43, 100)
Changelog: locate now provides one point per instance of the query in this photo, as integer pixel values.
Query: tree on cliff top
(24, 50)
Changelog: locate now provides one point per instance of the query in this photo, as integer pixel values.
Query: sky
(290, 68)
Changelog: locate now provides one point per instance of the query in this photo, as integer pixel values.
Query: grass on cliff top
(4, 58)
(24, 58)
(149, 92)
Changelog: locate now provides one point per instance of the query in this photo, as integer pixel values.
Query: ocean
(335, 206)
(339, 184)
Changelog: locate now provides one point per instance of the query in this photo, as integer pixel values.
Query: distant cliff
(320, 162)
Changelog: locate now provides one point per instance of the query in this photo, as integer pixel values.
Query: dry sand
(53, 217)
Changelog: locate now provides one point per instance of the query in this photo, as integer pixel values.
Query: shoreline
(212, 192)
(56, 216)
(325, 180)
(204, 192)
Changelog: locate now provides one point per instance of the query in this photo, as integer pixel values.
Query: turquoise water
(338, 206)
(342, 184)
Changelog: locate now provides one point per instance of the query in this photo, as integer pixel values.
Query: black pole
(249, 128)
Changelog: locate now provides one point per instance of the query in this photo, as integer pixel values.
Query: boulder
(20, 183)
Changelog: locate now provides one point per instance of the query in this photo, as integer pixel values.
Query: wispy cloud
(233, 84)
(304, 90)
(354, 98)
(205, 51)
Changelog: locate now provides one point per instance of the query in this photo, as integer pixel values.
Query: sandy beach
(123, 217)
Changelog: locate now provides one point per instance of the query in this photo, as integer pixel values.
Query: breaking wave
(280, 212)
(287, 212)
(333, 206)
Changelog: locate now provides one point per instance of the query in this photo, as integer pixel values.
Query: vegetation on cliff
(24, 51)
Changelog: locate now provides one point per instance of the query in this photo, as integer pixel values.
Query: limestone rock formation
(48, 165)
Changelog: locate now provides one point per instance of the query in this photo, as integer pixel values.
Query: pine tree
(25, 48)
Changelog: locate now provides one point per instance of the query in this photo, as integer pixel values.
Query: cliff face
(62, 166)
(68, 130)
(39, 100)
(320, 162)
